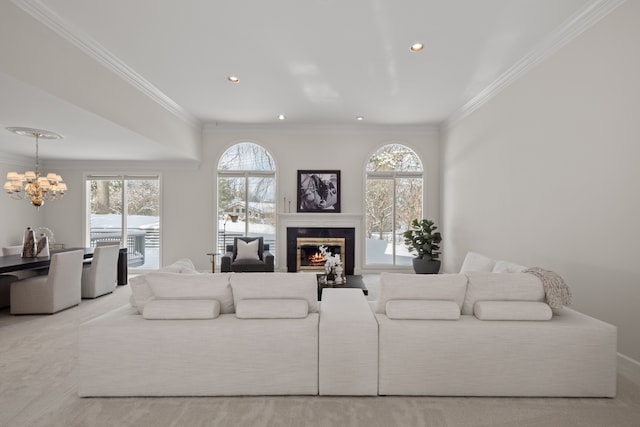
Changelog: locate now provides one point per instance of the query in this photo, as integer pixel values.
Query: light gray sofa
(450, 351)
(424, 336)
(190, 339)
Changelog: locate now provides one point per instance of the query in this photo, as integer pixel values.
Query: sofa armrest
(268, 259)
(348, 333)
(225, 262)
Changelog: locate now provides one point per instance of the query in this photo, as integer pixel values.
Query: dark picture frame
(318, 191)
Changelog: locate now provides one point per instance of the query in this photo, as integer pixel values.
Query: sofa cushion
(476, 262)
(272, 309)
(512, 310)
(247, 250)
(276, 285)
(205, 286)
(501, 287)
(140, 290)
(402, 286)
(422, 309)
(508, 267)
(181, 309)
(184, 265)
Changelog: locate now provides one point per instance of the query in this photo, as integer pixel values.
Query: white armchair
(100, 277)
(58, 290)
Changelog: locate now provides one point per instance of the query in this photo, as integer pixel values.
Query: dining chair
(22, 274)
(5, 288)
(59, 289)
(99, 278)
(8, 278)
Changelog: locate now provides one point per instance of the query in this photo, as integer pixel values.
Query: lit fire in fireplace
(316, 259)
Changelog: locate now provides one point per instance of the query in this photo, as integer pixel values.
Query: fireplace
(303, 247)
(308, 255)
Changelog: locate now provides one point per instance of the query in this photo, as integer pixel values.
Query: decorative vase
(29, 243)
(426, 266)
(42, 246)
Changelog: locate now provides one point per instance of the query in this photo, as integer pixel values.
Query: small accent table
(213, 256)
(354, 281)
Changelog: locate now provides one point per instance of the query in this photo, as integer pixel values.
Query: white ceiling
(318, 62)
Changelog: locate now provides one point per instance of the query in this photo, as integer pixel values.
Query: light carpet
(38, 388)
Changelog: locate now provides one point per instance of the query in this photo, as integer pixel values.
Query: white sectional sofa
(471, 334)
(519, 350)
(188, 339)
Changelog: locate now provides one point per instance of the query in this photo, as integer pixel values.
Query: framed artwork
(319, 191)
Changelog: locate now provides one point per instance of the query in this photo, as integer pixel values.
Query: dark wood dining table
(9, 263)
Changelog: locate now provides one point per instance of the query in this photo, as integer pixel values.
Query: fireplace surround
(297, 237)
(309, 256)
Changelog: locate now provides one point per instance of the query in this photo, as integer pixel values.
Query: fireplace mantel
(328, 220)
(313, 219)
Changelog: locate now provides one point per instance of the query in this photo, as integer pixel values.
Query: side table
(354, 281)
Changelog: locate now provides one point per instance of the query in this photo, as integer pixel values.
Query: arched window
(246, 195)
(393, 198)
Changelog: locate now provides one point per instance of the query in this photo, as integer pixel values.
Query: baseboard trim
(629, 359)
(629, 368)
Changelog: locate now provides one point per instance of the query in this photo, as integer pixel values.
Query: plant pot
(426, 266)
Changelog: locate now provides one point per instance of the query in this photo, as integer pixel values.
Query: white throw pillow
(394, 286)
(140, 292)
(477, 262)
(272, 309)
(200, 286)
(501, 287)
(184, 265)
(422, 310)
(247, 250)
(276, 285)
(512, 310)
(508, 267)
(181, 309)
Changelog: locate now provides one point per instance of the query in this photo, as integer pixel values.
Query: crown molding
(110, 165)
(56, 23)
(574, 26)
(360, 128)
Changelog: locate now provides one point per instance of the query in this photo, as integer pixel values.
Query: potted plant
(423, 238)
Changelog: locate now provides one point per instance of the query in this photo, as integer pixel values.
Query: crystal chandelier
(30, 185)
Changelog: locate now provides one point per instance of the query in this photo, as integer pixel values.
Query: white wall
(189, 196)
(190, 218)
(546, 173)
(16, 216)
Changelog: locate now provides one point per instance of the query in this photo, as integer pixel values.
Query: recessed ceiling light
(360, 118)
(233, 79)
(281, 117)
(417, 47)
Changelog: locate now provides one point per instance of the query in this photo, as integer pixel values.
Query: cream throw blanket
(557, 293)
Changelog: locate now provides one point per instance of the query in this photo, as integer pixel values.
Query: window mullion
(393, 222)
(246, 203)
(125, 209)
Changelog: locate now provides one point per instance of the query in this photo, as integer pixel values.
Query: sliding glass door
(126, 209)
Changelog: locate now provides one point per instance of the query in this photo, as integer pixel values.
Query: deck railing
(136, 242)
